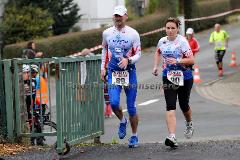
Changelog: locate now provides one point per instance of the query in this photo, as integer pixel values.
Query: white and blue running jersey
(118, 44)
(179, 48)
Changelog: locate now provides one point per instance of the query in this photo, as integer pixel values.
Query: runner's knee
(184, 106)
(132, 111)
(114, 102)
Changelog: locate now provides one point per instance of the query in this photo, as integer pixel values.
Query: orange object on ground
(196, 76)
(233, 60)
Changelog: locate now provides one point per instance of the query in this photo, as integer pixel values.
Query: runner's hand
(103, 74)
(171, 60)
(123, 63)
(155, 71)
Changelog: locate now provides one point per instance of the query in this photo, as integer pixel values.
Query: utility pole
(140, 7)
(180, 15)
(2, 96)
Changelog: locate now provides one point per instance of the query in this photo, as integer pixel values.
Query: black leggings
(171, 92)
(219, 54)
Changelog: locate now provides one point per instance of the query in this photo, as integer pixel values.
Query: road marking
(144, 103)
(148, 102)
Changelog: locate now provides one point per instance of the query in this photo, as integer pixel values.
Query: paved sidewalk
(225, 90)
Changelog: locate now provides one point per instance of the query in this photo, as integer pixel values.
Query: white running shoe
(171, 141)
(188, 132)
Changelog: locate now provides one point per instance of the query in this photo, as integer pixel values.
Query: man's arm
(136, 49)
(226, 39)
(211, 39)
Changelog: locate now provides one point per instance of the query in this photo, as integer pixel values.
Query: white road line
(148, 102)
(144, 103)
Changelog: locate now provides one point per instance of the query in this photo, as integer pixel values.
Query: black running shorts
(172, 92)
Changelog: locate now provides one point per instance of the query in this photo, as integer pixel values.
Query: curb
(206, 90)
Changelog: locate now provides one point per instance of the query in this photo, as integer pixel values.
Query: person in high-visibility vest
(220, 38)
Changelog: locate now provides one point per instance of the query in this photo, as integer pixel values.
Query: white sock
(134, 134)
(123, 120)
(172, 135)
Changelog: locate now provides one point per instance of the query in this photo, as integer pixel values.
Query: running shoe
(122, 130)
(171, 142)
(189, 130)
(133, 142)
(220, 73)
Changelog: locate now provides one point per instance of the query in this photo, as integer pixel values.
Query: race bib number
(118, 50)
(176, 77)
(120, 78)
(219, 44)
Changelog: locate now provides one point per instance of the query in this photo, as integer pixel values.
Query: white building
(96, 13)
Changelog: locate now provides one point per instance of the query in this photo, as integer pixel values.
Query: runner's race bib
(120, 78)
(219, 44)
(176, 77)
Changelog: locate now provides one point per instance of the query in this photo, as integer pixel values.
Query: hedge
(58, 46)
(66, 44)
(206, 8)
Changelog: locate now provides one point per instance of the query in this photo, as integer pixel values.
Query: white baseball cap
(120, 10)
(189, 31)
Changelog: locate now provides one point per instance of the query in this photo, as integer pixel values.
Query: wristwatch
(129, 61)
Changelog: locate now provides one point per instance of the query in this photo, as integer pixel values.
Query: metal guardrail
(75, 99)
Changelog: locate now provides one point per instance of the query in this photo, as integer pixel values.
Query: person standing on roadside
(177, 77)
(30, 51)
(194, 45)
(220, 38)
(121, 50)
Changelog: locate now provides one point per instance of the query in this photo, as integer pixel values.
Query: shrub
(207, 8)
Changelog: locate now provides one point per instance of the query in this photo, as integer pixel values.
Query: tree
(64, 12)
(65, 15)
(26, 23)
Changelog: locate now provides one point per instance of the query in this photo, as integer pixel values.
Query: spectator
(30, 51)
